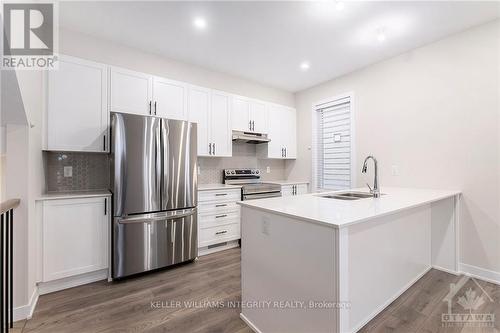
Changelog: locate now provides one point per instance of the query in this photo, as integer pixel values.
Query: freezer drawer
(146, 242)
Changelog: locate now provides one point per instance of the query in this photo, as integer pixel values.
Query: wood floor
(143, 304)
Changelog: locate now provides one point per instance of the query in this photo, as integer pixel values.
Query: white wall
(87, 47)
(434, 112)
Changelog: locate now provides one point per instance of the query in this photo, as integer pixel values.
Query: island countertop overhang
(339, 213)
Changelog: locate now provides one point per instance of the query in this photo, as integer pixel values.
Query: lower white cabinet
(293, 189)
(218, 218)
(75, 236)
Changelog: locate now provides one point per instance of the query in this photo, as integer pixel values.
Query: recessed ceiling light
(304, 66)
(381, 37)
(200, 23)
(339, 5)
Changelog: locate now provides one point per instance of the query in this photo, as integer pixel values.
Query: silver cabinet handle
(155, 107)
(105, 206)
(221, 205)
(209, 149)
(221, 232)
(250, 125)
(253, 125)
(220, 194)
(285, 151)
(220, 216)
(214, 148)
(104, 143)
(150, 107)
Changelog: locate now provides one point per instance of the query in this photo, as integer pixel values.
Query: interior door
(220, 124)
(136, 160)
(240, 114)
(179, 164)
(258, 116)
(199, 112)
(130, 91)
(77, 90)
(170, 99)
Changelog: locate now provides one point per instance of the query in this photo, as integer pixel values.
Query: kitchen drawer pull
(221, 232)
(219, 216)
(220, 194)
(221, 205)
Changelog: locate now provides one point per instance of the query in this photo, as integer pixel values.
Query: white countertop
(208, 187)
(285, 182)
(74, 195)
(342, 213)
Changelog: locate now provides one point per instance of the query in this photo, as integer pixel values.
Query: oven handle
(262, 195)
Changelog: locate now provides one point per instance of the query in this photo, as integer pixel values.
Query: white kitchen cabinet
(74, 236)
(130, 92)
(199, 113)
(218, 219)
(170, 99)
(77, 117)
(249, 115)
(293, 189)
(211, 110)
(282, 133)
(220, 124)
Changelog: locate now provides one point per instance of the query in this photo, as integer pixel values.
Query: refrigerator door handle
(169, 215)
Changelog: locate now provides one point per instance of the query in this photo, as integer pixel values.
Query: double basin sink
(347, 195)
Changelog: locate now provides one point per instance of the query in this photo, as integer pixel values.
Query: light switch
(68, 171)
(395, 170)
(268, 169)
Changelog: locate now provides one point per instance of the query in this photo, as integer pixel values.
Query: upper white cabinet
(249, 115)
(75, 236)
(130, 92)
(282, 132)
(139, 93)
(77, 118)
(211, 110)
(170, 99)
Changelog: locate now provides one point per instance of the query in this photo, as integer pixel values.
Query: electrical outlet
(265, 226)
(268, 169)
(395, 170)
(68, 171)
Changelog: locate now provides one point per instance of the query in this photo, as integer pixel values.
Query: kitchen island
(317, 264)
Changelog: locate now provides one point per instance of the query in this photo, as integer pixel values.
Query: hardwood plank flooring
(142, 304)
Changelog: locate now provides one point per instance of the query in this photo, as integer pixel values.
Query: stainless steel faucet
(375, 191)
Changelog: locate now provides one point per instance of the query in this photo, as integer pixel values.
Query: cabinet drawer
(219, 196)
(208, 221)
(218, 234)
(212, 208)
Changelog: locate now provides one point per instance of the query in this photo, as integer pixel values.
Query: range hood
(250, 137)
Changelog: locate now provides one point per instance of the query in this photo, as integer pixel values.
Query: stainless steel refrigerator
(154, 184)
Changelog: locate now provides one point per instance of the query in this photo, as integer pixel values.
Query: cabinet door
(199, 113)
(130, 91)
(290, 135)
(75, 237)
(258, 116)
(77, 118)
(276, 132)
(170, 99)
(240, 114)
(220, 124)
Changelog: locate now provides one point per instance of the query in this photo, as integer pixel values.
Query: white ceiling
(267, 41)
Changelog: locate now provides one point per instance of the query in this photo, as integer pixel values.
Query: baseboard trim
(480, 273)
(70, 282)
(446, 270)
(392, 299)
(249, 323)
(202, 251)
(26, 311)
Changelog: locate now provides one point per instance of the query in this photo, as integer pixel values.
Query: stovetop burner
(252, 186)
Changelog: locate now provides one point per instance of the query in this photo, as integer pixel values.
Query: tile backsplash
(90, 171)
(244, 156)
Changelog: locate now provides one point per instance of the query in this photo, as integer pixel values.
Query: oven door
(252, 196)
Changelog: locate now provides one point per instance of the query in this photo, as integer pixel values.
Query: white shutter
(333, 145)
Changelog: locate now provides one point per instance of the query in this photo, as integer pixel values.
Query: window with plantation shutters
(332, 140)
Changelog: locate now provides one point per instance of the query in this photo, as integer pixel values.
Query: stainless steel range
(252, 186)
